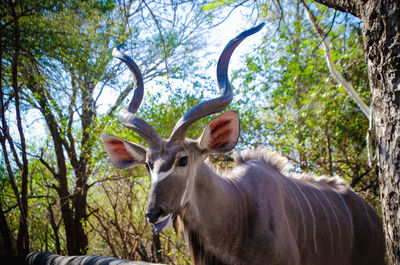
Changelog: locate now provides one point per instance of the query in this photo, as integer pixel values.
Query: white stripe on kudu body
(300, 209)
(334, 214)
(312, 215)
(349, 216)
(327, 219)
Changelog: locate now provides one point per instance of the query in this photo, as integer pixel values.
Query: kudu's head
(172, 163)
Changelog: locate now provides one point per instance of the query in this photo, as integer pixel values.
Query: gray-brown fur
(257, 215)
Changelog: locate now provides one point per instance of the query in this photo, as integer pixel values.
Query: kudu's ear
(122, 153)
(221, 134)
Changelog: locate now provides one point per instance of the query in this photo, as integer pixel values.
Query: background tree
(14, 151)
(63, 70)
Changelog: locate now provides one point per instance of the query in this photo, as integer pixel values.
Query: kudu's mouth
(159, 218)
(163, 222)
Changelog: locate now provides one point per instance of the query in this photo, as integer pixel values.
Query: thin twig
(160, 33)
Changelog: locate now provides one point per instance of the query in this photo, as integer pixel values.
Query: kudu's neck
(218, 208)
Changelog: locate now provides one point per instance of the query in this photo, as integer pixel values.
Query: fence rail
(47, 258)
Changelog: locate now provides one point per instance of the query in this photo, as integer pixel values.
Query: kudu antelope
(257, 213)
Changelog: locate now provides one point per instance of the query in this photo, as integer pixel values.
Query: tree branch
(336, 75)
(47, 165)
(120, 98)
(348, 6)
(161, 36)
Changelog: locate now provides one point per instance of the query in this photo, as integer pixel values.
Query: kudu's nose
(154, 214)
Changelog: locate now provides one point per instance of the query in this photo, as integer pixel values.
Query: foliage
(301, 111)
(63, 69)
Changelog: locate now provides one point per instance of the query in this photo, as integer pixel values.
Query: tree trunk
(156, 248)
(79, 204)
(73, 206)
(55, 229)
(75, 235)
(20, 156)
(381, 27)
(381, 30)
(6, 240)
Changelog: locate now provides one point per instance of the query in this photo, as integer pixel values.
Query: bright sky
(218, 37)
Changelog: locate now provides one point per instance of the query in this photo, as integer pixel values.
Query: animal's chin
(164, 222)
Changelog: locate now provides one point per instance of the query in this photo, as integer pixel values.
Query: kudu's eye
(183, 161)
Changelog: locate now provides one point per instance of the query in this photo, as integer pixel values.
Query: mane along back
(270, 157)
(281, 164)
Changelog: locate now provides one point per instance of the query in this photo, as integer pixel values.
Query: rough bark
(349, 6)
(381, 27)
(381, 30)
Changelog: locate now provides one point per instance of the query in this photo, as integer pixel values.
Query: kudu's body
(257, 213)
